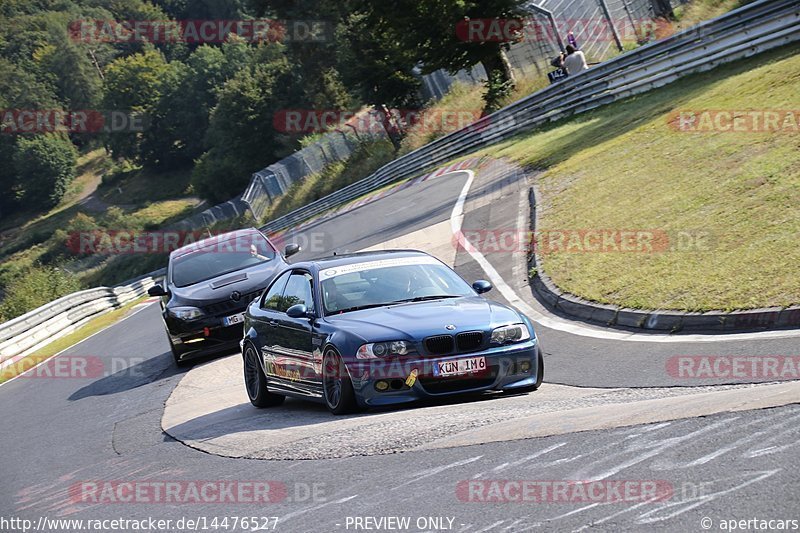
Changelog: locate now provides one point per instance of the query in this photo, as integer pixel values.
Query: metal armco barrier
(27, 333)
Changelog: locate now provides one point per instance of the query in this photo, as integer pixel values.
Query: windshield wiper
(357, 308)
(426, 298)
(405, 301)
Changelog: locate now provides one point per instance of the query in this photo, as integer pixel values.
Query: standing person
(574, 62)
(571, 40)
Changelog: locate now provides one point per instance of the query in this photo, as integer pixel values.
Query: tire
(539, 376)
(255, 382)
(337, 390)
(539, 368)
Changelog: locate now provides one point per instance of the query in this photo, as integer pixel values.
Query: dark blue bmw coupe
(381, 328)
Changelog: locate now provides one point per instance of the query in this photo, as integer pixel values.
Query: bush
(45, 166)
(35, 287)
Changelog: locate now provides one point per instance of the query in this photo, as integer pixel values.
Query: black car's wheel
(177, 353)
(539, 376)
(336, 386)
(256, 382)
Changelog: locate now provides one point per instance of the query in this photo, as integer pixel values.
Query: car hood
(219, 289)
(414, 321)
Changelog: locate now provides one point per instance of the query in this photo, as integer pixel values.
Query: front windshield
(222, 257)
(384, 282)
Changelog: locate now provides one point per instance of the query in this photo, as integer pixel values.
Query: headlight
(511, 333)
(383, 349)
(186, 313)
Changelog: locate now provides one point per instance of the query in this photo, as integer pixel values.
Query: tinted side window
(298, 291)
(273, 295)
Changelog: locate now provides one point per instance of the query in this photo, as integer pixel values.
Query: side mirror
(291, 249)
(157, 290)
(482, 286)
(298, 311)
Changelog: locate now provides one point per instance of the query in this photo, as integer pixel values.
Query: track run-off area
(611, 408)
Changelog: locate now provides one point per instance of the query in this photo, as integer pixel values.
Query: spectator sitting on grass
(574, 61)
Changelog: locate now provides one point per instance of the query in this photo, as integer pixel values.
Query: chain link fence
(275, 180)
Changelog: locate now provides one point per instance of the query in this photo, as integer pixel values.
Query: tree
(19, 89)
(319, 84)
(241, 132)
(376, 66)
(134, 84)
(44, 166)
(429, 27)
(180, 120)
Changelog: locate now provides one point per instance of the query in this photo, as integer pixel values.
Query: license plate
(459, 366)
(233, 319)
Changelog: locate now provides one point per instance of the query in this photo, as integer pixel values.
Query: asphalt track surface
(58, 432)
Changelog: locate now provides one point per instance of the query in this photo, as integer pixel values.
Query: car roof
(214, 239)
(356, 257)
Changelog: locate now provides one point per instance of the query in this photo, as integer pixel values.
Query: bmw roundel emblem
(236, 295)
(450, 327)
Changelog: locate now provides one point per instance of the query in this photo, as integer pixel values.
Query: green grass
(624, 167)
(59, 345)
(466, 98)
(134, 185)
(697, 11)
(35, 263)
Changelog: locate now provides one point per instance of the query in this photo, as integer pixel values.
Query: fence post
(607, 13)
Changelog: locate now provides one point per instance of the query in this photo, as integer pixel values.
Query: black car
(382, 328)
(208, 286)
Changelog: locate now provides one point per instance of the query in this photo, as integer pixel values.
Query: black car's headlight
(510, 333)
(186, 313)
(383, 349)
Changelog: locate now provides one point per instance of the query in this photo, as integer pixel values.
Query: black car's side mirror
(482, 286)
(291, 249)
(157, 290)
(298, 311)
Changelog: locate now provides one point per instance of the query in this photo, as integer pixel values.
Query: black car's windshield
(389, 281)
(219, 258)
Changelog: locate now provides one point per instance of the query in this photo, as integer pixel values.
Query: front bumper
(507, 367)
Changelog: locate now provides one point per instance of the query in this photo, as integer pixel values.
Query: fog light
(524, 366)
(381, 386)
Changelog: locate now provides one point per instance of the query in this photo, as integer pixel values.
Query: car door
(265, 320)
(293, 339)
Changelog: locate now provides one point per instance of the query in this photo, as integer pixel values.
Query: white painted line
(556, 323)
(134, 311)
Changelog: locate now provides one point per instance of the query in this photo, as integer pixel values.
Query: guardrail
(27, 333)
(746, 31)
